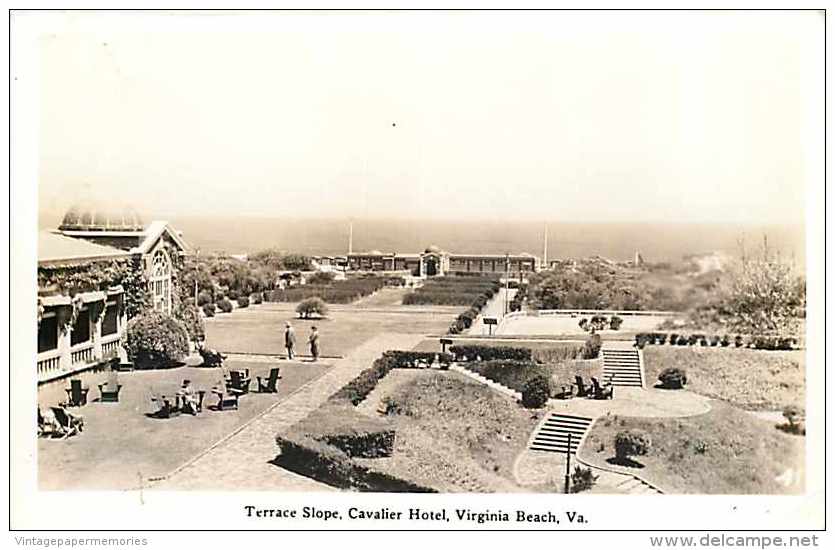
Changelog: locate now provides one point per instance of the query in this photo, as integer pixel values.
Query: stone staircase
(623, 366)
(513, 394)
(552, 434)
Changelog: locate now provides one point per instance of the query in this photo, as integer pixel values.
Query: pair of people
(290, 341)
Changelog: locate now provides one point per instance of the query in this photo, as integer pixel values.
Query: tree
(536, 392)
(312, 306)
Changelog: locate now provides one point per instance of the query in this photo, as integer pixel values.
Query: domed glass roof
(432, 249)
(101, 218)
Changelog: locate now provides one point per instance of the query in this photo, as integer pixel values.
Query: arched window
(160, 281)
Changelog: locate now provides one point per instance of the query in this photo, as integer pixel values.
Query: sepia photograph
(550, 255)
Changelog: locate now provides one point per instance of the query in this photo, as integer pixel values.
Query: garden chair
(45, 428)
(598, 392)
(66, 424)
(164, 409)
(566, 392)
(239, 380)
(582, 390)
(109, 391)
(76, 394)
(269, 384)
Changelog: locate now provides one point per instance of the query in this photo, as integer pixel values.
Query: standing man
(290, 340)
(314, 343)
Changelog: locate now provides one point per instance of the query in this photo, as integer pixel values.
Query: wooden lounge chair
(598, 392)
(269, 384)
(66, 424)
(109, 391)
(566, 392)
(228, 399)
(164, 408)
(45, 429)
(76, 394)
(582, 390)
(239, 381)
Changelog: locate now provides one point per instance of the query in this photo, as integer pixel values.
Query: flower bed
(760, 342)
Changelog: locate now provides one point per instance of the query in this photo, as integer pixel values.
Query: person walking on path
(314, 343)
(290, 340)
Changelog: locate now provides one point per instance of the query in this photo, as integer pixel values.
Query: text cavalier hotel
(90, 271)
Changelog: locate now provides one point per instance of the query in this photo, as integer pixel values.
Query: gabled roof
(57, 249)
(154, 232)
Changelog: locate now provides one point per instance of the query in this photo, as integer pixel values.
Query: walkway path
(494, 308)
(242, 461)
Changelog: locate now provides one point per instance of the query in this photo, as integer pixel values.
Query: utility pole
(350, 236)
(568, 465)
(545, 249)
(506, 279)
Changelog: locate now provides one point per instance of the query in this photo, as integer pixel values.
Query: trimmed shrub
(795, 420)
(582, 479)
(673, 378)
(232, 294)
(209, 310)
(321, 278)
(584, 324)
(490, 353)
(615, 322)
(557, 354)
(591, 349)
(257, 298)
(243, 301)
(738, 341)
(725, 341)
(224, 305)
(513, 374)
(536, 392)
(204, 297)
(312, 306)
(155, 340)
(629, 443)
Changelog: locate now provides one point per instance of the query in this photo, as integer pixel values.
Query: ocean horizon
(655, 242)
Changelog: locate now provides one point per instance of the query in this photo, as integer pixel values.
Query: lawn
(121, 447)
(455, 435)
(260, 329)
(750, 379)
(725, 451)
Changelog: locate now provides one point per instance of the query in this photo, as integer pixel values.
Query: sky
(589, 116)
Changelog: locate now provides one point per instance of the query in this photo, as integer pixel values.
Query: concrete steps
(559, 433)
(623, 367)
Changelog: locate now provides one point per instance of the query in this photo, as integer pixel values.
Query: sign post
(444, 343)
(490, 322)
(568, 464)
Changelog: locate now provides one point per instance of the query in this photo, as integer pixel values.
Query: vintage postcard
(519, 270)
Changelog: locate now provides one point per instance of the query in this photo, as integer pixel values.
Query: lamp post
(568, 464)
(506, 279)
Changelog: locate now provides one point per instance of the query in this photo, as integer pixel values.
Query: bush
(232, 294)
(560, 354)
(321, 278)
(193, 323)
(209, 310)
(584, 324)
(155, 340)
(243, 301)
(630, 443)
(204, 297)
(512, 374)
(257, 298)
(591, 349)
(312, 306)
(615, 322)
(796, 420)
(536, 392)
(582, 479)
(490, 353)
(725, 341)
(224, 305)
(673, 378)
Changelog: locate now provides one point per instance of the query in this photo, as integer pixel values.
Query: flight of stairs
(623, 367)
(513, 394)
(552, 434)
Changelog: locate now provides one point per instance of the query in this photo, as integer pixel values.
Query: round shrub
(582, 479)
(209, 310)
(204, 297)
(631, 443)
(615, 322)
(224, 305)
(257, 298)
(591, 349)
(232, 294)
(673, 378)
(796, 420)
(155, 340)
(536, 392)
(312, 306)
(243, 301)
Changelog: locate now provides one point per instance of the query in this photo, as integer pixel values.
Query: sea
(655, 242)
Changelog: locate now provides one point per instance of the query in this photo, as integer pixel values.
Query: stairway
(513, 394)
(623, 366)
(552, 434)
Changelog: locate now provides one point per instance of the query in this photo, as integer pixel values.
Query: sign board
(446, 341)
(491, 321)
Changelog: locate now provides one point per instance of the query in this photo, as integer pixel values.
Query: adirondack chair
(76, 394)
(566, 392)
(109, 391)
(45, 428)
(582, 390)
(269, 384)
(598, 392)
(66, 424)
(239, 380)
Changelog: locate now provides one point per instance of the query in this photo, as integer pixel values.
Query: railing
(111, 345)
(49, 363)
(569, 312)
(82, 354)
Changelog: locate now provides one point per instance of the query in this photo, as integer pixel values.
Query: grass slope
(750, 379)
(725, 451)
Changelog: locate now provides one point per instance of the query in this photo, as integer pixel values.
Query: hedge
(336, 292)
(490, 353)
(770, 343)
